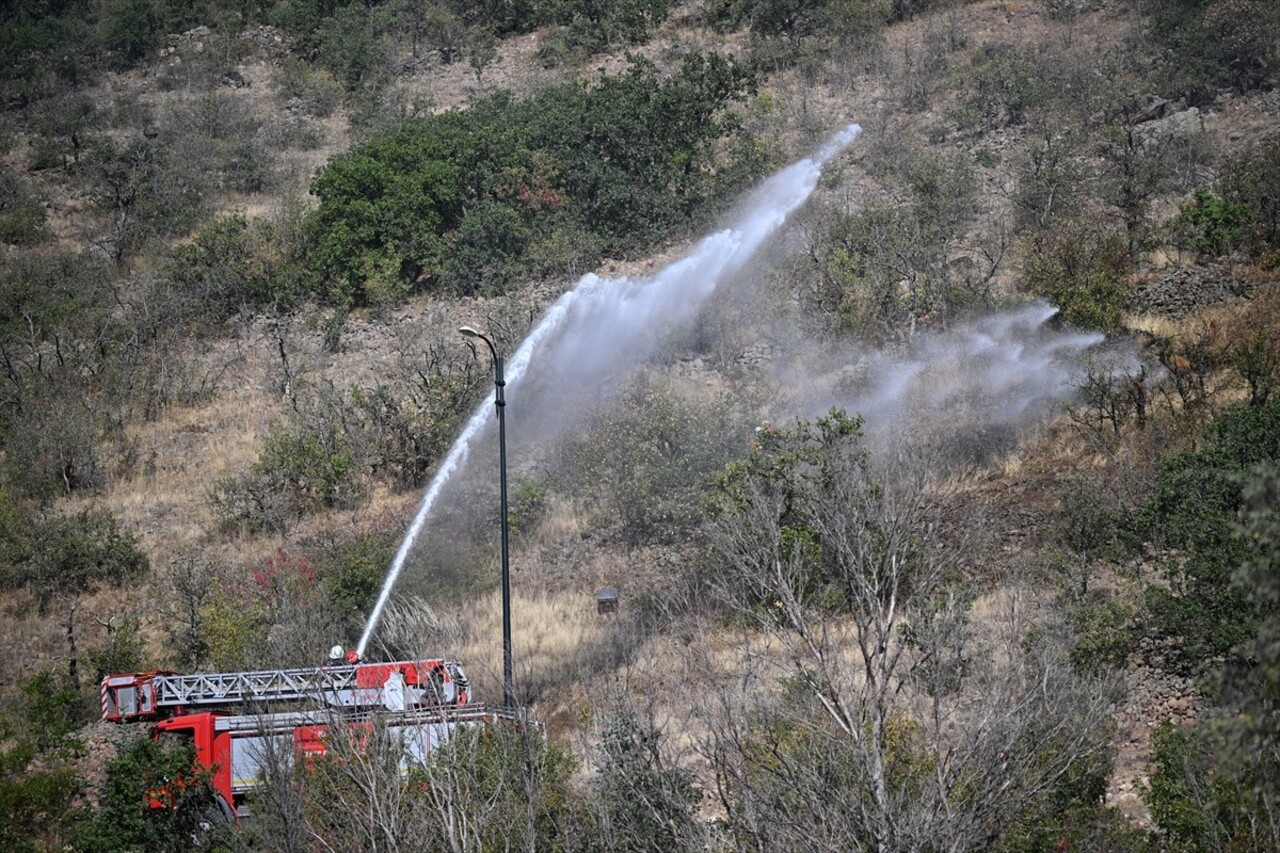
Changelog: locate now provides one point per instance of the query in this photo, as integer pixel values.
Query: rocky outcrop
(1179, 291)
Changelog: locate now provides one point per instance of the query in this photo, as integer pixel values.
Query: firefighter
(353, 657)
(335, 657)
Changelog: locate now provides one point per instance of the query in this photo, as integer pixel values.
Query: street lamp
(499, 382)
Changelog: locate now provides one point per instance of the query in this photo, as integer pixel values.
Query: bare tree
(871, 714)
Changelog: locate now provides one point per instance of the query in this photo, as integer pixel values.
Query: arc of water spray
(674, 292)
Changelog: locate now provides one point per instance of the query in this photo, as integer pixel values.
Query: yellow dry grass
(555, 636)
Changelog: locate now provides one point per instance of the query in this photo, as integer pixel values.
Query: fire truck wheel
(218, 814)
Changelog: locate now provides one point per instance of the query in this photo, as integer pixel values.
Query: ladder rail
(273, 684)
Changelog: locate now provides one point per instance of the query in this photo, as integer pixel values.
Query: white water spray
(602, 323)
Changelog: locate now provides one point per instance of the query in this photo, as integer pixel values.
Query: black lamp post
(499, 382)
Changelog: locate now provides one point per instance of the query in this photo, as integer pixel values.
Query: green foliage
(352, 573)
(1090, 522)
(231, 629)
(314, 90)
(1193, 508)
(1214, 43)
(467, 199)
(22, 217)
(885, 267)
(124, 820)
(140, 190)
(1082, 270)
(58, 337)
(132, 30)
(1003, 87)
(647, 457)
(1216, 784)
(788, 474)
(63, 555)
(35, 802)
(1251, 190)
(588, 26)
(1071, 816)
(850, 21)
(1105, 632)
(217, 274)
(120, 651)
(350, 47)
(645, 803)
(403, 433)
(52, 709)
(299, 471)
(527, 504)
(1210, 225)
(51, 48)
(523, 774)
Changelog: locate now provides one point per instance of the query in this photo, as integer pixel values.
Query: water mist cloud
(1003, 370)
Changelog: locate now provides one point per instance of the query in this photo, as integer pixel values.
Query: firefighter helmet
(335, 653)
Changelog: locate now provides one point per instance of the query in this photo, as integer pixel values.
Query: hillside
(943, 518)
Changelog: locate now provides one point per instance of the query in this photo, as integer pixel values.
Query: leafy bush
(22, 217)
(588, 26)
(63, 555)
(1253, 183)
(52, 710)
(352, 574)
(646, 459)
(1207, 795)
(1194, 508)
(1210, 225)
(1215, 43)
(313, 90)
(1105, 632)
(455, 200)
(35, 802)
(887, 267)
(230, 266)
(132, 30)
(300, 471)
(1083, 270)
(349, 47)
(123, 820)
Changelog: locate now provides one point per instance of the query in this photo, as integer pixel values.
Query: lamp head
(470, 332)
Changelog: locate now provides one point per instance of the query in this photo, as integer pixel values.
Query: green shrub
(1214, 43)
(132, 30)
(1210, 225)
(352, 574)
(35, 802)
(1084, 271)
(1194, 508)
(123, 820)
(1105, 632)
(1253, 183)
(350, 48)
(52, 710)
(457, 200)
(64, 555)
(22, 217)
(299, 471)
(313, 89)
(647, 456)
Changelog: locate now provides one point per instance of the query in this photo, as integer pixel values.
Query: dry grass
(557, 638)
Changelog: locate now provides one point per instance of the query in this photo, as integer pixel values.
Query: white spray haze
(603, 324)
(1001, 370)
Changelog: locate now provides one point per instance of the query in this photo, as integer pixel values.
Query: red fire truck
(239, 721)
